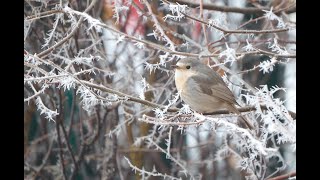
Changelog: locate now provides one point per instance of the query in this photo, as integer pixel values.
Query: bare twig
(203, 25)
(45, 159)
(73, 105)
(60, 149)
(43, 14)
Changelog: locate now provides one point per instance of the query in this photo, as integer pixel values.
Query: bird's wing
(214, 86)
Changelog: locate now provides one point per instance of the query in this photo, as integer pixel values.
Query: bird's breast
(179, 80)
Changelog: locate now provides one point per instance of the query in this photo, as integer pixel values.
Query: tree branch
(285, 176)
(248, 10)
(236, 31)
(154, 105)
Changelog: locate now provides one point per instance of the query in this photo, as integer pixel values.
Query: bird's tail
(233, 109)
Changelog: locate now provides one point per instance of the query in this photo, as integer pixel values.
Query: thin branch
(126, 96)
(237, 31)
(60, 149)
(57, 76)
(43, 14)
(276, 55)
(45, 159)
(35, 94)
(80, 157)
(73, 105)
(285, 176)
(203, 25)
(69, 147)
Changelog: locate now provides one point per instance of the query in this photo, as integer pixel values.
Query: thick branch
(248, 10)
(154, 105)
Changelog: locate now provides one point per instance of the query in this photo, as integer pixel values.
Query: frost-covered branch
(248, 10)
(47, 51)
(146, 174)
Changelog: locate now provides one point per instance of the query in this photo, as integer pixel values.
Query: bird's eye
(188, 67)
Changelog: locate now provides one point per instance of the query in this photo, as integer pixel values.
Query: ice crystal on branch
(176, 11)
(91, 21)
(146, 174)
(185, 109)
(44, 110)
(276, 48)
(151, 67)
(139, 44)
(267, 66)
(144, 87)
(67, 82)
(276, 119)
(271, 16)
(119, 8)
(88, 99)
(248, 47)
(218, 21)
(159, 113)
(155, 34)
(52, 34)
(120, 38)
(229, 54)
(86, 60)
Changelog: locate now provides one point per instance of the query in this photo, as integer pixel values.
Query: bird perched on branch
(203, 89)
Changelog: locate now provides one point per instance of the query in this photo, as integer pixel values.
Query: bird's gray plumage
(203, 89)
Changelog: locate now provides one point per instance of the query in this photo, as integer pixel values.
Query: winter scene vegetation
(100, 100)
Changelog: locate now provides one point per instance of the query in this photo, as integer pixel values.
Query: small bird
(203, 89)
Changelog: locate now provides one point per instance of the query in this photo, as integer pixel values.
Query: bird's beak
(174, 66)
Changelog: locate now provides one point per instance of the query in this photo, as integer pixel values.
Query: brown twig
(45, 159)
(203, 25)
(285, 176)
(73, 105)
(60, 148)
(276, 55)
(81, 153)
(69, 147)
(43, 14)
